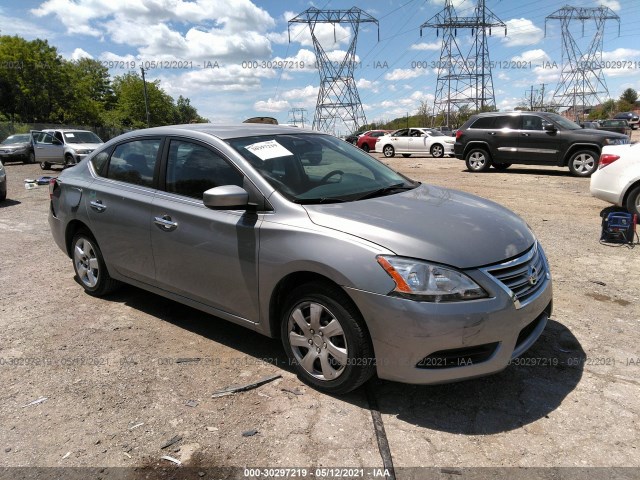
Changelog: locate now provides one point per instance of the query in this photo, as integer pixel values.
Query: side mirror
(226, 197)
(549, 127)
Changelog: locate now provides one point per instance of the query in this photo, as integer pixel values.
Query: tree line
(37, 85)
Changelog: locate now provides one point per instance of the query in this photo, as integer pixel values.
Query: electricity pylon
(298, 116)
(338, 96)
(582, 79)
(464, 76)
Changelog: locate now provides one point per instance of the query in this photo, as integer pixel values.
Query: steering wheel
(331, 174)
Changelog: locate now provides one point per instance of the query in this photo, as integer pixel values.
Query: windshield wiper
(386, 190)
(312, 201)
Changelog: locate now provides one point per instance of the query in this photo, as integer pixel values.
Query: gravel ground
(124, 375)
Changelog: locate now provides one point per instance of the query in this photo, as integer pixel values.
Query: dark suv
(533, 138)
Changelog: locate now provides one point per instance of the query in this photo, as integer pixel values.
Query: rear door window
(134, 162)
(483, 122)
(507, 121)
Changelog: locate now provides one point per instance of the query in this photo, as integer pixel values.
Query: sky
(237, 58)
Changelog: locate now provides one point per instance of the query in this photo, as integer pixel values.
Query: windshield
(22, 138)
(310, 168)
(81, 137)
(563, 122)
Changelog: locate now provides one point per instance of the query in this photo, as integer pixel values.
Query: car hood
(588, 132)
(432, 223)
(14, 146)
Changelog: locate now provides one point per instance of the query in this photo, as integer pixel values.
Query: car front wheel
(325, 339)
(633, 201)
(89, 265)
(437, 151)
(45, 165)
(478, 160)
(388, 151)
(366, 148)
(583, 163)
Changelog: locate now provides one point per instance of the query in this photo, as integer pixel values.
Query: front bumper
(425, 343)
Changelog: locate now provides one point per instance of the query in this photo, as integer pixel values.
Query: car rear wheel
(89, 265)
(633, 201)
(478, 160)
(583, 163)
(325, 339)
(388, 151)
(366, 148)
(501, 166)
(45, 165)
(437, 150)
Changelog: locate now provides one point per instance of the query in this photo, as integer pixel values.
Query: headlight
(83, 151)
(429, 282)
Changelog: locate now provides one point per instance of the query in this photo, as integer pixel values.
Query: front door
(210, 256)
(46, 148)
(536, 144)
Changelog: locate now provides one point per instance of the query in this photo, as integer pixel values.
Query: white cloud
(521, 32)
(331, 37)
(302, 97)
(426, 46)
(271, 105)
(403, 74)
(79, 53)
(18, 26)
(534, 56)
(612, 4)
(618, 62)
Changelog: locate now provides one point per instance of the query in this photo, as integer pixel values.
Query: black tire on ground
(406, 155)
(478, 160)
(583, 163)
(45, 165)
(89, 265)
(3, 196)
(437, 150)
(336, 362)
(69, 160)
(365, 147)
(388, 151)
(32, 158)
(501, 166)
(633, 201)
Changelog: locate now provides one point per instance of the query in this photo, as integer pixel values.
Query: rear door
(400, 140)
(119, 205)
(503, 138)
(47, 148)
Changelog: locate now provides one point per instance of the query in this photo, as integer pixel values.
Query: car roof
(223, 131)
(64, 130)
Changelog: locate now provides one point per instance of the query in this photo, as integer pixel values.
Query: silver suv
(299, 235)
(63, 146)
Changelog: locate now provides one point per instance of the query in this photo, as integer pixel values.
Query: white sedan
(617, 179)
(408, 141)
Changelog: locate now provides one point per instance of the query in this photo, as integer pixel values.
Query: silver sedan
(298, 235)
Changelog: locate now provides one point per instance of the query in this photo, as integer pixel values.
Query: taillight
(607, 159)
(458, 134)
(53, 184)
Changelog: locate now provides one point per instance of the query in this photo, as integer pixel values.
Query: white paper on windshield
(68, 135)
(268, 150)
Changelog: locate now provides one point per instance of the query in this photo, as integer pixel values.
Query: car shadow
(519, 170)
(532, 387)
(526, 391)
(9, 203)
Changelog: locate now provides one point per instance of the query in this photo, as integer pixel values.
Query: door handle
(165, 223)
(98, 206)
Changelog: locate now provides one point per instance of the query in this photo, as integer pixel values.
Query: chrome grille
(523, 276)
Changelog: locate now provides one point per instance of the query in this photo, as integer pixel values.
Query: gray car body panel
(248, 253)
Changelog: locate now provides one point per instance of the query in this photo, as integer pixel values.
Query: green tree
(186, 113)
(92, 94)
(129, 109)
(629, 96)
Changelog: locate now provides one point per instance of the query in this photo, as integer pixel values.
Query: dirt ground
(124, 375)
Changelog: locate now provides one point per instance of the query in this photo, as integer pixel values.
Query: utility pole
(466, 79)
(295, 119)
(146, 100)
(338, 96)
(582, 74)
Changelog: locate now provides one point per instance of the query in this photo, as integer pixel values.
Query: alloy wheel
(86, 262)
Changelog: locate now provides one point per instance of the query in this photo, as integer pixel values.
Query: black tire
(69, 161)
(3, 196)
(366, 148)
(632, 203)
(583, 163)
(350, 341)
(501, 166)
(388, 151)
(406, 155)
(437, 150)
(45, 165)
(89, 265)
(32, 158)
(478, 160)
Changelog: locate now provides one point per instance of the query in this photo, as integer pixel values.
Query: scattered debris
(66, 455)
(171, 459)
(188, 360)
(36, 402)
(598, 282)
(175, 439)
(128, 456)
(244, 388)
(136, 425)
(97, 442)
(249, 433)
(191, 403)
(295, 391)
(212, 429)
(7, 450)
